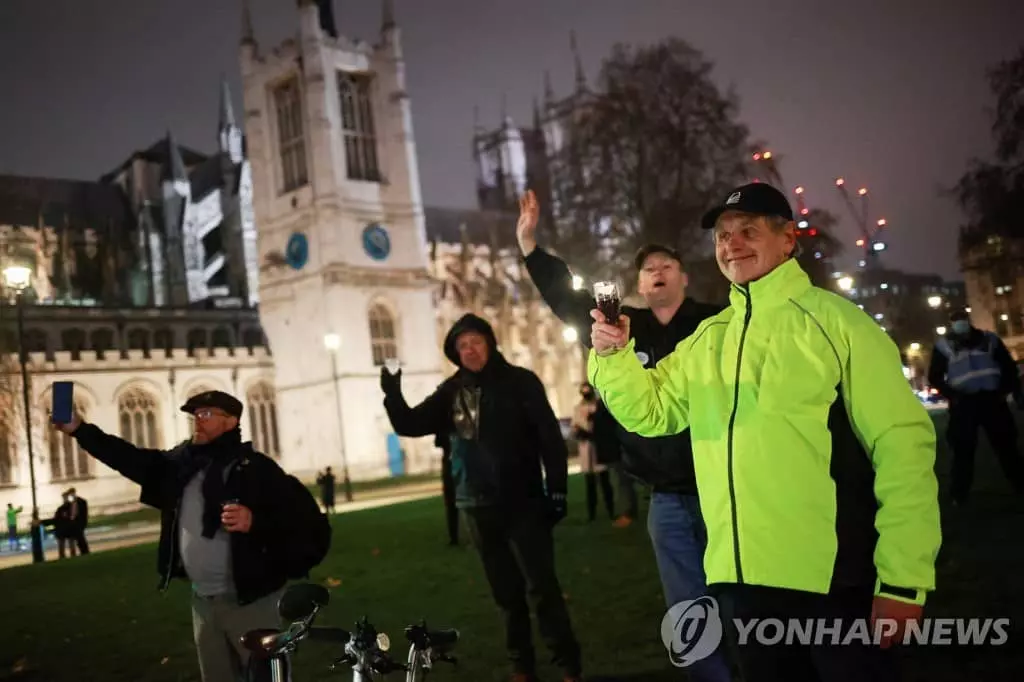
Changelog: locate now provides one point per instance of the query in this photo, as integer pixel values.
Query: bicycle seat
(261, 642)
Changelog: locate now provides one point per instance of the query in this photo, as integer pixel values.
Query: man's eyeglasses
(207, 413)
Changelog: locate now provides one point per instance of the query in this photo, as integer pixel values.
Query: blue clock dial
(376, 241)
(296, 253)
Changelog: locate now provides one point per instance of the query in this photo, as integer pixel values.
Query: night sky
(887, 93)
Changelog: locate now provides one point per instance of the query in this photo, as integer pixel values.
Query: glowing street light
(934, 301)
(862, 191)
(799, 190)
(845, 283)
(570, 335)
(941, 331)
(881, 222)
(840, 182)
(915, 346)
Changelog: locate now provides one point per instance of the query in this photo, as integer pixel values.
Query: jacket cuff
(907, 595)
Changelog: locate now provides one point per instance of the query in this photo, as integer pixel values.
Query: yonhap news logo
(692, 630)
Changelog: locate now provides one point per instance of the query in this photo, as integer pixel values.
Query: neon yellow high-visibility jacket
(814, 459)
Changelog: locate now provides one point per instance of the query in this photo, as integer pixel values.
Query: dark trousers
(966, 416)
(800, 662)
(451, 512)
(604, 479)
(517, 551)
(73, 538)
(626, 490)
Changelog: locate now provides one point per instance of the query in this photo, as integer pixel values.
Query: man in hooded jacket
(502, 433)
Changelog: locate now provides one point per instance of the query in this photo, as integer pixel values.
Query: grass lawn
(376, 485)
(100, 618)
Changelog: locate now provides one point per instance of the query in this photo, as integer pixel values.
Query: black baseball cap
(216, 399)
(758, 198)
(650, 249)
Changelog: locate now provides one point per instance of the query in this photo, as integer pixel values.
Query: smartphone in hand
(63, 402)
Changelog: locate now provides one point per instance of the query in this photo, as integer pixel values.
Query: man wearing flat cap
(814, 459)
(233, 524)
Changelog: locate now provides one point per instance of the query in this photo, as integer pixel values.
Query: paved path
(103, 538)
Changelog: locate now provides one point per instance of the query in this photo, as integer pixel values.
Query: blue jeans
(677, 532)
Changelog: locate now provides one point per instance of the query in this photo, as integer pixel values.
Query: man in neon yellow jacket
(814, 460)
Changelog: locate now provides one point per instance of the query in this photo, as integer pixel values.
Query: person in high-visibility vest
(974, 371)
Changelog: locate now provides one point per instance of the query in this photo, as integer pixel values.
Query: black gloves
(390, 383)
(558, 507)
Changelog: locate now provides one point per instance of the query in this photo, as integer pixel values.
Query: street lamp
(332, 342)
(17, 279)
(934, 301)
(845, 283)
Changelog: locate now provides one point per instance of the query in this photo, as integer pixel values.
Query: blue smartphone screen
(63, 402)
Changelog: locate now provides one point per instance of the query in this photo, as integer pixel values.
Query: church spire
(549, 90)
(248, 34)
(387, 16)
(581, 79)
(174, 172)
(227, 110)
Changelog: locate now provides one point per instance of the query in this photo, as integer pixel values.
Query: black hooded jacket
(665, 463)
(499, 422)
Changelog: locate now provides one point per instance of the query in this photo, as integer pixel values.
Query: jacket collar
(774, 289)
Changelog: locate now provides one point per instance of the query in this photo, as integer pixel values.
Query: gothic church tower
(341, 236)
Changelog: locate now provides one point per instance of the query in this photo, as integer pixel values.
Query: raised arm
(550, 274)
(432, 416)
(649, 402)
(141, 465)
(899, 436)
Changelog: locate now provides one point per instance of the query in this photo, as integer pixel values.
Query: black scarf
(212, 458)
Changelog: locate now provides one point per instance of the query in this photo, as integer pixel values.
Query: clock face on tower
(376, 241)
(297, 251)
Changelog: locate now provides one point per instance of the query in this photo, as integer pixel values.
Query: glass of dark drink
(606, 294)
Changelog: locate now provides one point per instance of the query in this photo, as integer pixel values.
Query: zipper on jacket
(732, 423)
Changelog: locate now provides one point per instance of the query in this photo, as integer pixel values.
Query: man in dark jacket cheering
(233, 523)
(502, 433)
(674, 520)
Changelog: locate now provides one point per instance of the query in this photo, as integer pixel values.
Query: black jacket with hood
(501, 427)
(665, 463)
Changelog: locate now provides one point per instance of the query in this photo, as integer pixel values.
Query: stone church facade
(286, 268)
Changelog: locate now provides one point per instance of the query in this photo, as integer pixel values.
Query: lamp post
(332, 342)
(17, 278)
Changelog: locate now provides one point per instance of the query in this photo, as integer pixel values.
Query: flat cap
(218, 399)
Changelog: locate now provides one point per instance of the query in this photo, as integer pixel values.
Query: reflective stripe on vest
(972, 370)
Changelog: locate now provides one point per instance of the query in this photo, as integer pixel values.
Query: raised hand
(526, 227)
(608, 338)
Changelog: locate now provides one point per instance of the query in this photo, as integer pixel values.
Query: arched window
(35, 341)
(222, 338)
(138, 339)
(73, 341)
(263, 419)
(252, 338)
(102, 341)
(163, 339)
(382, 334)
(68, 461)
(196, 339)
(7, 453)
(138, 413)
